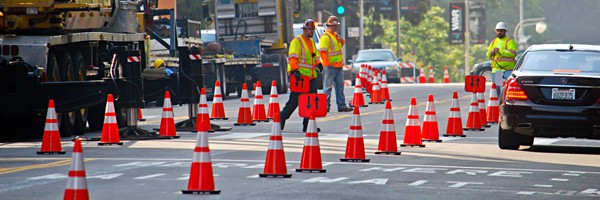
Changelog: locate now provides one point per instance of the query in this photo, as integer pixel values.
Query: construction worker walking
(502, 51)
(302, 63)
(330, 49)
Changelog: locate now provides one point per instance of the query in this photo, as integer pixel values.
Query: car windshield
(562, 61)
(368, 56)
(208, 37)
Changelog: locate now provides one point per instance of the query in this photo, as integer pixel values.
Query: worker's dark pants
(292, 103)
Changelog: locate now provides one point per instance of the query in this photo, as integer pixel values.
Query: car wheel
(508, 139)
(487, 74)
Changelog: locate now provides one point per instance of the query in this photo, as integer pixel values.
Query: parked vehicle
(382, 59)
(554, 91)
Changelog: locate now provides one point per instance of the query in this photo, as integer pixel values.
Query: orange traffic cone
(431, 78)
(311, 153)
(482, 113)
(218, 110)
(387, 135)
(140, 116)
(412, 130)
(385, 92)
(275, 162)
(363, 76)
(244, 113)
(76, 182)
(422, 75)
(358, 99)
(375, 91)
(446, 76)
(369, 79)
(51, 139)
(110, 128)
(355, 146)
(167, 123)
(202, 119)
(258, 112)
(430, 130)
(273, 102)
(201, 174)
(473, 120)
(454, 127)
(493, 110)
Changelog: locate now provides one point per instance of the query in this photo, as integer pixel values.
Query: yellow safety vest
(505, 58)
(332, 46)
(306, 61)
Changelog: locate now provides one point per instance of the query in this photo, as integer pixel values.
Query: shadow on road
(564, 149)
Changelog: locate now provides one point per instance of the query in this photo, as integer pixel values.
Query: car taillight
(6, 50)
(514, 91)
(14, 50)
(598, 100)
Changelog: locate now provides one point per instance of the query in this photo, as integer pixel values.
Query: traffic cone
(431, 132)
(355, 146)
(358, 99)
(273, 102)
(473, 120)
(492, 109)
(218, 110)
(258, 112)
(387, 135)
(431, 78)
(369, 79)
(311, 153)
(482, 112)
(446, 76)
(454, 127)
(363, 76)
(275, 163)
(140, 116)
(375, 91)
(51, 140)
(412, 130)
(385, 92)
(202, 119)
(245, 113)
(201, 179)
(110, 128)
(422, 75)
(76, 182)
(167, 123)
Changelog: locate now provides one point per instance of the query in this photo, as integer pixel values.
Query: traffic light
(341, 7)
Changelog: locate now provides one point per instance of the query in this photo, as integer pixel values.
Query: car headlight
(390, 68)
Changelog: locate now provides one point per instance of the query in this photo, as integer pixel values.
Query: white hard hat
(501, 25)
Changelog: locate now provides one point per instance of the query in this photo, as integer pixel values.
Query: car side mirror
(399, 60)
(350, 62)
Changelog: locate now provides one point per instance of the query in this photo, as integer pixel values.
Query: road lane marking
(419, 182)
(240, 135)
(570, 174)
(525, 193)
(559, 179)
(149, 176)
(64, 162)
(543, 186)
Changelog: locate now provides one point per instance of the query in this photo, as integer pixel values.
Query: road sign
(312, 102)
(475, 83)
(300, 85)
(352, 32)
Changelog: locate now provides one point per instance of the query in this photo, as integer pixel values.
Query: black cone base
(447, 135)
(136, 133)
(275, 175)
(432, 140)
(311, 170)
(50, 152)
(412, 145)
(354, 160)
(109, 143)
(201, 191)
(388, 152)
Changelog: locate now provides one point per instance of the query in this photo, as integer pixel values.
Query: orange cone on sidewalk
(218, 110)
(273, 102)
(355, 146)
(76, 182)
(422, 75)
(201, 179)
(275, 163)
(431, 132)
(454, 127)
(412, 130)
(358, 99)
(387, 135)
(140, 116)
(110, 128)
(446, 76)
(51, 140)
(473, 120)
(431, 78)
(375, 91)
(482, 112)
(167, 123)
(311, 153)
(492, 109)
(245, 113)
(258, 112)
(385, 92)
(202, 119)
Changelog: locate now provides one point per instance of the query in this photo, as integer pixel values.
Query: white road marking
(543, 186)
(49, 176)
(461, 184)
(148, 176)
(571, 174)
(241, 135)
(419, 182)
(525, 192)
(591, 191)
(377, 181)
(321, 179)
(559, 179)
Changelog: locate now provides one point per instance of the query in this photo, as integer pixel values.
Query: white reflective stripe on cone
(110, 119)
(202, 139)
(275, 145)
(110, 108)
(355, 134)
(474, 105)
(76, 183)
(77, 162)
(311, 141)
(455, 114)
(201, 157)
(51, 113)
(388, 127)
(203, 109)
(480, 101)
(53, 126)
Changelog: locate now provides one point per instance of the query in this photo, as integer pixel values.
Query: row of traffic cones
(431, 77)
(479, 116)
(375, 83)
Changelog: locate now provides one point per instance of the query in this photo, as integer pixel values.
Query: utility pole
(398, 32)
(361, 26)
(343, 27)
(520, 17)
(467, 39)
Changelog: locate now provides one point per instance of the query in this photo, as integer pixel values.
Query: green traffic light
(340, 10)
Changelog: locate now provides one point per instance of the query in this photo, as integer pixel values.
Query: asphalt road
(471, 167)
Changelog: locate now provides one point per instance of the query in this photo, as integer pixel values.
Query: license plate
(563, 94)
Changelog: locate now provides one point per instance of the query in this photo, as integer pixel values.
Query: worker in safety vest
(330, 48)
(502, 51)
(302, 62)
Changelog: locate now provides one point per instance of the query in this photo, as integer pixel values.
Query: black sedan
(553, 92)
